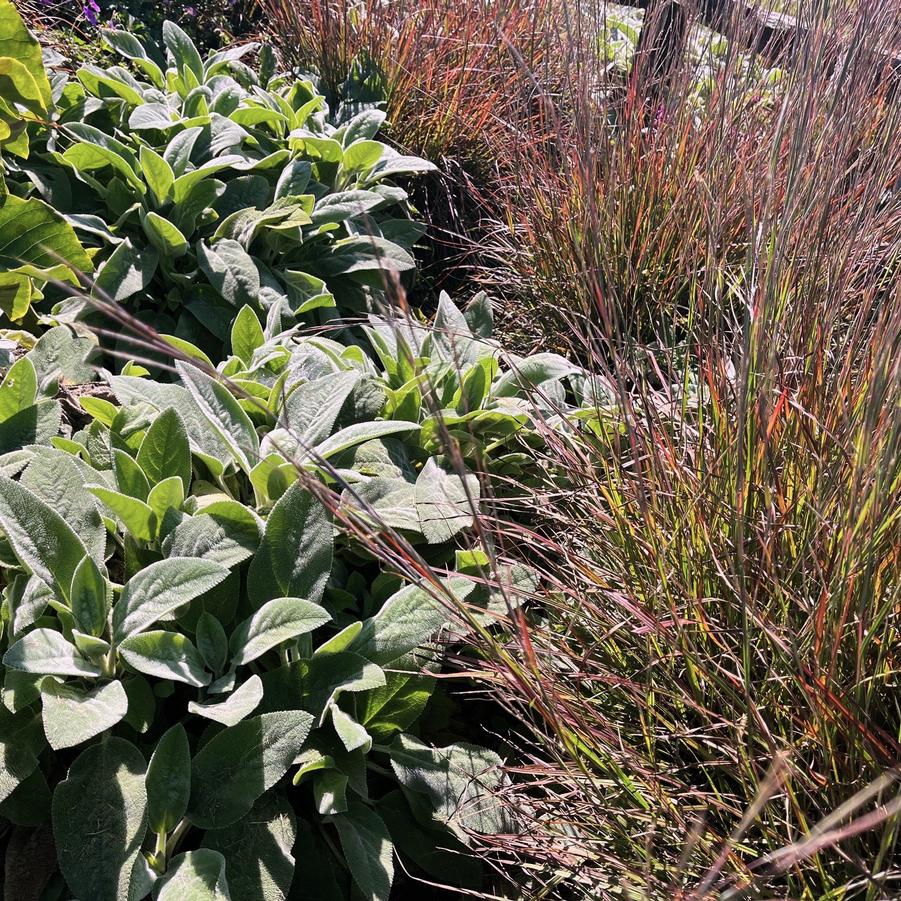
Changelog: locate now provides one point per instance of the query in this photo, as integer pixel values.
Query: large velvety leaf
(72, 716)
(18, 44)
(42, 540)
(295, 556)
(280, 619)
(444, 502)
(127, 271)
(99, 819)
(459, 781)
(165, 451)
(407, 619)
(236, 766)
(227, 533)
(45, 651)
(166, 655)
(231, 271)
(239, 704)
(36, 424)
(258, 850)
(33, 232)
(194, 876)
(181, 50)
(169, 780)
(311, 410)
(56, 479)
(161, 587)
(367, 849)
(224, 414)
(21, 740)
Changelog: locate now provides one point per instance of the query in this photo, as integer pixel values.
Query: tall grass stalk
(721, 647)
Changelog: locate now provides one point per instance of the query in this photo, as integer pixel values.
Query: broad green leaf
(182, 50)
(33, 232)
(55, 477)
(166, 655)
(360, 432)
(444, 502)
(361, 254)
(130, 478)
(87, 157)
(224, 414)
(276, 621)
(100, 83)
(295, 556)
(135, 515)
(480, 315)
(166, 495)
(18, 44)
(164, 236)
(151, 116)
(130, 47)
(168, 780)
(204, 441)
(27, 599)
(230, 270)
(141, 703)
(37, 424)
(159, 589)
(28, 806)
(19, 389)
(178, 152)
(158, 174)
(165, 451)
(400, 165)
(227, 533)
(236, 766)
(294, 179)
(194, 876)
(363, 126)
(104, 787)
(239, 704)
(21, 740)
(397, 705)
(322, 679)
(88, 645)
(212, 642)
(344, 205)
(46, 651)
(460, 781)
(72, 715)
(330, 792)
(192, 351)
(127, 272)
(258, 850)
(527, 373)
(367, 850)
(311, 410)
(362, 155)
(306, 292)
(407, 619)
(247, 334)
(61, 356)
(351, 733)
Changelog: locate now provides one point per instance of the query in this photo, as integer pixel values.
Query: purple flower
(90, 10)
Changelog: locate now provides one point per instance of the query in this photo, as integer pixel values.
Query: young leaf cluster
(199, 655)
(189, 190)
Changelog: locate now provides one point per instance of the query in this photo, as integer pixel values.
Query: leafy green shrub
(193, 190)
(208, 673)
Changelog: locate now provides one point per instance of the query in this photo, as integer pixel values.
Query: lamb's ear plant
(190, 190)
(206, 656)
